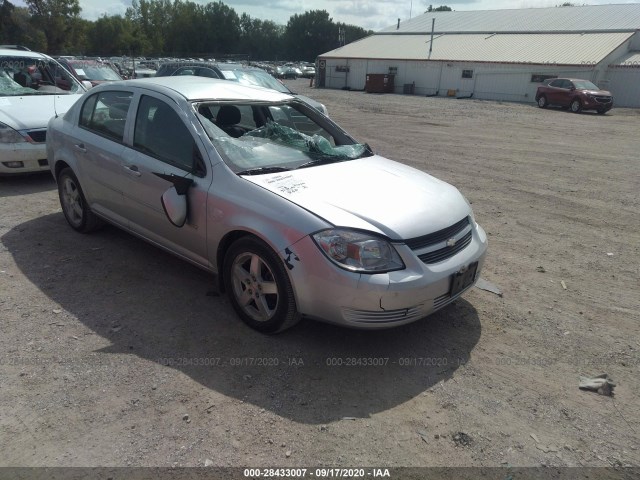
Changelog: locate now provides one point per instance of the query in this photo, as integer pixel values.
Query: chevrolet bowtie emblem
(451, 242)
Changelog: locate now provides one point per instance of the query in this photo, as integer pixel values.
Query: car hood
(603, 93)
(374, 194)
(33, 111)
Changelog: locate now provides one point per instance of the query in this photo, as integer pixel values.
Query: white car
(294, 216)
(33, 88)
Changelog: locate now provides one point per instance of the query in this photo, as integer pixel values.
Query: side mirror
(174, 201)
(87, 84)
(175, 206)
(572, 88)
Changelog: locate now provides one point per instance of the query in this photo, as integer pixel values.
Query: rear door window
(105, 113)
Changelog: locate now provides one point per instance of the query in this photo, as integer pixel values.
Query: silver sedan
(294, 216)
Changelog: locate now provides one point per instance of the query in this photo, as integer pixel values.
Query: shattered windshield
(260, 79)
(20, 76)
(262, 138)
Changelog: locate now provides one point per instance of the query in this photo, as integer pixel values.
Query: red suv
(575, 94)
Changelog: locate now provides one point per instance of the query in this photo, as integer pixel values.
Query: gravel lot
(113, 353)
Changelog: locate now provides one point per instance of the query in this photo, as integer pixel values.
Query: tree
(222, 29)
(442, 8)
(352, 32)
(56, 18)
(260, 39)
(110, 36)
(151, 20)
(310, 34)
(7, 26)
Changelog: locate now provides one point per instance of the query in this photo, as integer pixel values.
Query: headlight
(9, 135)
(473, 217)
(358, 252)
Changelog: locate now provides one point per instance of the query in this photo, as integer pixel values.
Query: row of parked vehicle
(34, 87)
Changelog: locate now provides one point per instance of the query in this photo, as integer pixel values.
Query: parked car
(289, 71)
(308, 71)
(90, 70)
(575, 94)
(33, 88)
(236, 73)
(293, 215)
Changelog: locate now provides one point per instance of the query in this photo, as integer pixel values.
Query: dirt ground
(113, 353)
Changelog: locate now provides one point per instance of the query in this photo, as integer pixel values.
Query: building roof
(541, 48)
(588, 18)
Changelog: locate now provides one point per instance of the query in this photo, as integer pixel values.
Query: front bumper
(591, 103)
(328, 293)
(28, 157)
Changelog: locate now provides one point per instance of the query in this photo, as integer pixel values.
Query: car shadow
(150, 304)
(553, 108)
(13, 185)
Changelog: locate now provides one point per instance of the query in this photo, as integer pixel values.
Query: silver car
(293, 215)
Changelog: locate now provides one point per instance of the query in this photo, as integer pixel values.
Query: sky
(368, 14)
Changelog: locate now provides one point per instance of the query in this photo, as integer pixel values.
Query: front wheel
(259, 287)
(542, 101)
(575, 105)
(74, 205)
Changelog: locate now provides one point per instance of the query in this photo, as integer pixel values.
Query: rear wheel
(575, 105)
(74, 205)
(542, 101)
(259, 287)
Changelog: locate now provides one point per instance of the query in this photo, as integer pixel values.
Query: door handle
(133, 170)
(81, 147)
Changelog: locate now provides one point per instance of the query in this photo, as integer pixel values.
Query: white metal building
(497, 54)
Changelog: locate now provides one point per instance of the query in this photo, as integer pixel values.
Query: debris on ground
(462, 439)
(602, 384)
(540, 269)
(486, 285)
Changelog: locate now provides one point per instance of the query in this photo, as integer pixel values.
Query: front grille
(461, 232)
(603, 99)
(385, 316)
(437, 237)
(38, 136)
(446, 252)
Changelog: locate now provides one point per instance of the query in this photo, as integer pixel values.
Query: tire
(74, 205)
(601, 111)
(575, 105)
(542, 102)
(258, 286)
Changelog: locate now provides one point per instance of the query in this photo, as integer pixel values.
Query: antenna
(55, 86)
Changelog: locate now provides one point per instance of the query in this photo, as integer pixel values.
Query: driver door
(164, 144)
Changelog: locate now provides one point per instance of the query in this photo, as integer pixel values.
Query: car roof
(194, 88)
(11, 52)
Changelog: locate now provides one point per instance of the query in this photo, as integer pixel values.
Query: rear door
(98, 144)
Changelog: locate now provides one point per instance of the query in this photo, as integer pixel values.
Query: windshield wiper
(323, 161)
(263, 170)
